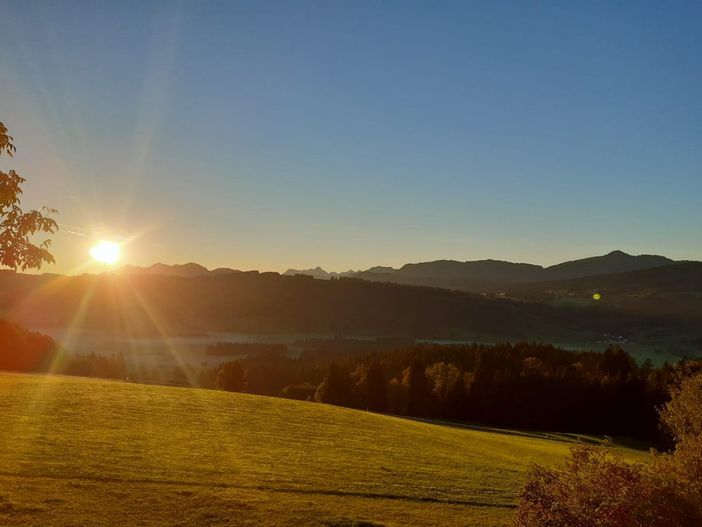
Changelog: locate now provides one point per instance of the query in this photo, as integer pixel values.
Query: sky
(267, 135)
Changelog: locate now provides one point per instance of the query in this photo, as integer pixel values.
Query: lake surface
(190, 349)
(162, 351)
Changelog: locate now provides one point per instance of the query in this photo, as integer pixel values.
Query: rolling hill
(614, 262)
(477, 276)
(682, 277)
(77, 451)
(669, 294)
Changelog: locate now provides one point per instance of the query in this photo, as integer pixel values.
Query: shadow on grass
(261, 488)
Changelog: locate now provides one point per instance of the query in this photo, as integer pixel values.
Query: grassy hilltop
(76, 451)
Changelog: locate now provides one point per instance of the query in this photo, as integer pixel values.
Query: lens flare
(105, 252)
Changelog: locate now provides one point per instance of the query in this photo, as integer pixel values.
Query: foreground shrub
(682, 417)
(594, 489)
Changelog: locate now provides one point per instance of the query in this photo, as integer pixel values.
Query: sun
(105, 252)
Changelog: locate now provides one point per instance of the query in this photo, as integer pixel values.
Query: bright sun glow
(105, 252)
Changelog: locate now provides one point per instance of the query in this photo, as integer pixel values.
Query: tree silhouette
(372, 387)
(336, 387)
(456, 398)
(230, 377)
(16, 226)
(419, 395)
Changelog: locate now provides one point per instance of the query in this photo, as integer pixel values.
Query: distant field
(77, 451)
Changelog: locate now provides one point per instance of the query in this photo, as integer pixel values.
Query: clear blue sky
(348, 134)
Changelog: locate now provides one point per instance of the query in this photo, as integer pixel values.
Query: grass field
(76, 451)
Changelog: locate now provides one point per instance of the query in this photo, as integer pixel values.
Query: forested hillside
(271, 303)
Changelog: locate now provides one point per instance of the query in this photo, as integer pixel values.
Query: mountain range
(478, 276)
(319, 273)
(659, 305)
(188, 269)
(496, 275)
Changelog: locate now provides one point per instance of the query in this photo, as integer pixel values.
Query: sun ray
(43, 395)
(165, 336)
(163, 331)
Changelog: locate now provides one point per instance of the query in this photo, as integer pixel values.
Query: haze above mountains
(473, 276)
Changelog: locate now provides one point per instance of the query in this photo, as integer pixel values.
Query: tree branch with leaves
(18, 228)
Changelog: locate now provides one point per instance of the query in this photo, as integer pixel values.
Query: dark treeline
(523, 385)
(23, 350)
(92, 365)
(30, 352)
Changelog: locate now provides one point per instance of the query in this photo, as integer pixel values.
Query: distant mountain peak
(381, 269)
(318, 273)
(612, 262)
(186, 269)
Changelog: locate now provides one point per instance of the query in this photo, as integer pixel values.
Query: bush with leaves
(682, 418)
(594, 489)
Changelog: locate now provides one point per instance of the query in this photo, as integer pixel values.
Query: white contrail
(76, 233)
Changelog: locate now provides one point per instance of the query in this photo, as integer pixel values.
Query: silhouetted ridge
(188, 269)
(477, 276)
(318, 273)
(497, 275)
(614, 262)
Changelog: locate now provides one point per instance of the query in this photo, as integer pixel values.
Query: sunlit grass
(109, 453)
